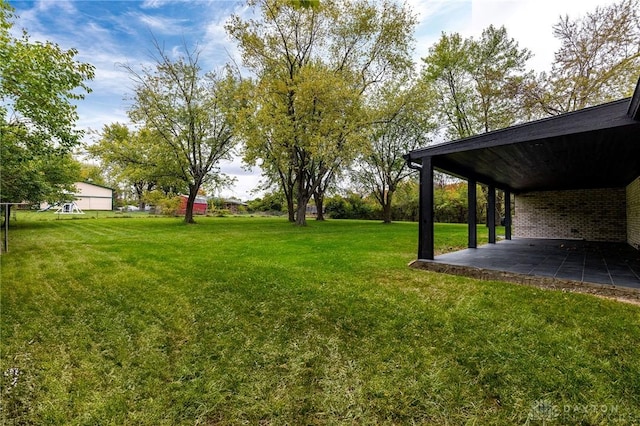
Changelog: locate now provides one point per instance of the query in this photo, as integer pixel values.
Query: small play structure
(69, 208)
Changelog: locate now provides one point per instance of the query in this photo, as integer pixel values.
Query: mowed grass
(147, 321)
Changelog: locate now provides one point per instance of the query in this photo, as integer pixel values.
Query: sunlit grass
(252, 320)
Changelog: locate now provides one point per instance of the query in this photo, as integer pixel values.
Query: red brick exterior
(589, 214)
(633, 213)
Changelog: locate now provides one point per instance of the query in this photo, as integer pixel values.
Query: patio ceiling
(597, 147)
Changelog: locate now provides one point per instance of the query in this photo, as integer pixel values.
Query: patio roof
(597, 147)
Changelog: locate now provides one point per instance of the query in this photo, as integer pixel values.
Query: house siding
(633, 213)
(589, 214)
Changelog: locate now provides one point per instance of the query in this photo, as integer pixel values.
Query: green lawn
(147, 321)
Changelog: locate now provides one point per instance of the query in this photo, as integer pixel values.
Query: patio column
(472, 202)
(491, 214)
(425, 224)
(507, 214)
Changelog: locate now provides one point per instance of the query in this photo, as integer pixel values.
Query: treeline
(328, 101)
(333, 100)
(450, 204)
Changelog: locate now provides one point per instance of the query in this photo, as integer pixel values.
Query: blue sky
(108, 33)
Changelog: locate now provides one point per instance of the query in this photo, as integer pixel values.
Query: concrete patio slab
(554, 263)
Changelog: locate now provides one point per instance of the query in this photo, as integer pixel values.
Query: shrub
(352, 206)
(271, 202)
(164, 204)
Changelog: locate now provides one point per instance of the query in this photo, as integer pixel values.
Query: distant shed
(89, 196)
(199, 205)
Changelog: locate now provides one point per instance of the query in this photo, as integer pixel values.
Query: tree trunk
(288, 189)
(386, 207)
(386, 213)
(301, 215)
(303, 195)
(303, 200)
(188, 215)
(319, 200)
(138, 187)
(291, 209)
(499, 207)
(142, 205)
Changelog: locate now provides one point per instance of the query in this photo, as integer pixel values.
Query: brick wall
(590, 214)
(633, 213)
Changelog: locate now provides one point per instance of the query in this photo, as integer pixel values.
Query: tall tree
(136, 158)
(38, 84)
(499, 75)
(313, 67)
(478, 81)
(448, 68)
(191, 113)
(598, 60)
(265, 139)
(402, 122)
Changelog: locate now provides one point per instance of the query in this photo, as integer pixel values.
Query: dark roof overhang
(596, 147)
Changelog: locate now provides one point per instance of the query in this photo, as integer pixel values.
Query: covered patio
(574, 180)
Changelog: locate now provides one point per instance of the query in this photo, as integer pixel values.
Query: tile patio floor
(590, 262)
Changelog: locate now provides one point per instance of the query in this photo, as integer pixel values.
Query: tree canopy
(598, 60)
(402, 121)
(190, 114)
(479, 82)
(137, 159)
(330, 82)
(38, 84)
(313, 67)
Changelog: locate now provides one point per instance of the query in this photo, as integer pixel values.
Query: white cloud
(97, 116)
(153, 4)
(246, 180)
(435, 17)
(436, 9)
(32, 20)
(157, 4)
(65, 5)
(217, 47)
(160, 24)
